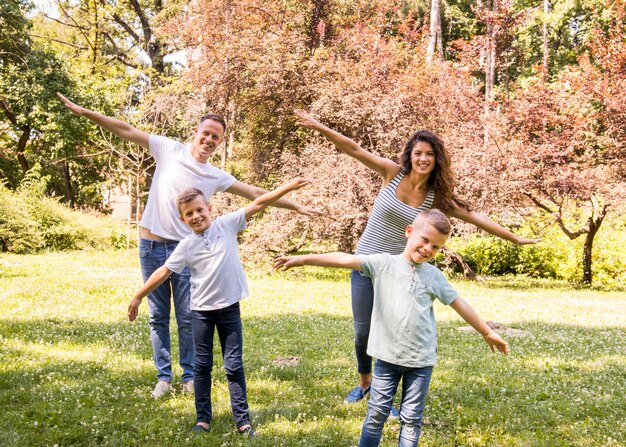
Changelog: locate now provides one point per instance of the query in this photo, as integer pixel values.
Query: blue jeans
(152, 255)
(362, 304)
(415, 382)
(228, 324)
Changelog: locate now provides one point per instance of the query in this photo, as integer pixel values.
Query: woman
(423, 180)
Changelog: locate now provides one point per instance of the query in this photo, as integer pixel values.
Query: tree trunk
(21, 146)
(594, 226)
(435, 41)
(67, 182)
(490, 54)
(452, 257)
(546, 54)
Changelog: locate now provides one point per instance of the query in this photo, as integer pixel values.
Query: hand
(286, 262)
(308, 211)
(305, 120)
(526, 241)
(133, 309)
(496, 342)
(297, 183)
(74, 108)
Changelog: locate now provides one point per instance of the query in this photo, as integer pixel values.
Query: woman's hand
(307, 121)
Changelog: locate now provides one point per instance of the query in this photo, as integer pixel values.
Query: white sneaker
(188, 387)
(161, 388)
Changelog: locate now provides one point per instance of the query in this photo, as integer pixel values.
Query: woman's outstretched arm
(383, 166)
(486, 223)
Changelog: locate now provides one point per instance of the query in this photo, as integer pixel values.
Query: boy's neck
(411, 262)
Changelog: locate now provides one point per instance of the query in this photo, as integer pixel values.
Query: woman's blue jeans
(387, 376)
(362, 304)
(229, 330)
(152, 255)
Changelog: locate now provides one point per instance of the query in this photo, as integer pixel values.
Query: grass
(74, 372)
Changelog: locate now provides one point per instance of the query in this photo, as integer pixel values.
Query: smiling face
(424, 242)
(196, 214)
(207, 137)
(423, 158)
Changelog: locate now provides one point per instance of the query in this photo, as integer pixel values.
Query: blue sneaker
(356, 394)
(393, 413)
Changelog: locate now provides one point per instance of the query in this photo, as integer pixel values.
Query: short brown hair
(187, 196)
(437, 219)
(213, 117)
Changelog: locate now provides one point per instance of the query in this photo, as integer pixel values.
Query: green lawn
(73, 371)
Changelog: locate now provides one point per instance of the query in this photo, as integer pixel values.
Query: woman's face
(423, 158)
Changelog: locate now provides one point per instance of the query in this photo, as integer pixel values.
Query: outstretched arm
(155, 280)
(385, 167)
(484, 222)
(252, 192)
(336, 259)
(265, 200)
(468, 314)
(119, 128)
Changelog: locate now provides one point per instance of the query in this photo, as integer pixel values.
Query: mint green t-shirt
(403, 328)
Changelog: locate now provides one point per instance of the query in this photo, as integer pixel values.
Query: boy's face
(424, 242)
(196, 214)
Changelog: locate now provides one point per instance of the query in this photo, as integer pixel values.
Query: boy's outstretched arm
(123, 130)
(155, 280)
(265, 200)
(468, 314)
(337, 259)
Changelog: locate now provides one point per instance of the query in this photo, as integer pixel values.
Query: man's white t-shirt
(177, 170)
(217, 276)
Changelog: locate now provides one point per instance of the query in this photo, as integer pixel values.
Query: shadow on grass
(563, 385)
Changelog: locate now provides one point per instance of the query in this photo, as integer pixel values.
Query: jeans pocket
(144, 249)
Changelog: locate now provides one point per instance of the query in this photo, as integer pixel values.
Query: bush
(18, 231)
(30, 221)
(554, 257)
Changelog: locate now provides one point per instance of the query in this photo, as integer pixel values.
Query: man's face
(207, 137)
(424, 242)
(196, 214)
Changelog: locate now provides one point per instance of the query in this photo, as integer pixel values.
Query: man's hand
(133, 309)
(74, 108)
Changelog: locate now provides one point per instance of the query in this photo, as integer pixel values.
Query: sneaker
(161, 388)
(248, 431)
(393, 413)
(200, 429)
(356, 394)
(188, 387)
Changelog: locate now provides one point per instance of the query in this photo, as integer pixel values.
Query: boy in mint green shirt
(403, 337)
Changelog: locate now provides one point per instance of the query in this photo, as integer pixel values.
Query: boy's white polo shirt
(217, 276)
(177, 170)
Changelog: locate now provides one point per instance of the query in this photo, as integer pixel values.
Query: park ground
(75, 372)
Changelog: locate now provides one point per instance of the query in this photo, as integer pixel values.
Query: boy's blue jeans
(415, 382)
(227, 321)
(152, 255)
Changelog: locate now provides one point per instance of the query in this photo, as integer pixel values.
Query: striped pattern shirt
(386, 225)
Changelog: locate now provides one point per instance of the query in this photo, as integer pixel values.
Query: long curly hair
(441, 178)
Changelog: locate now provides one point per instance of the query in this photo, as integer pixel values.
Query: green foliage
(18, 230)
(555, 256)
(30, 221)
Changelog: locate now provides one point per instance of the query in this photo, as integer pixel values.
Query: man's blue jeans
(415, 382)
(152, 255)
(227, 321)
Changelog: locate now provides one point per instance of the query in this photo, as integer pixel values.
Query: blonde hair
(187, 196)
(435, 218)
